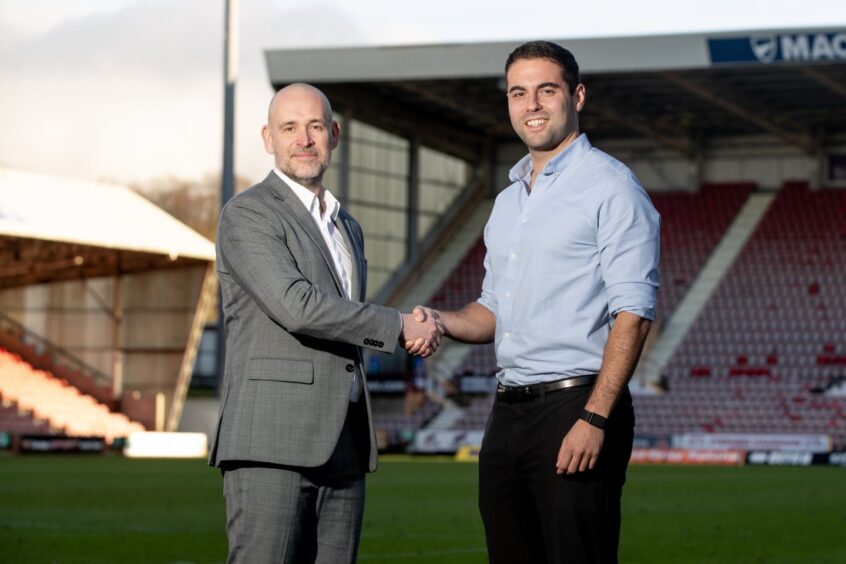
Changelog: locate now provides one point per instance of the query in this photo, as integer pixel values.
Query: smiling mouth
(536, 122)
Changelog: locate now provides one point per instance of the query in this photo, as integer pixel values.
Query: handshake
(422, 331)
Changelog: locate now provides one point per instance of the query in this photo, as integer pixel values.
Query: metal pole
(227, 175)
(118, 343)
(412, 244)
(230, 63)
(344, 162)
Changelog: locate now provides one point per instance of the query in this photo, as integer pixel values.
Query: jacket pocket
(281, 370)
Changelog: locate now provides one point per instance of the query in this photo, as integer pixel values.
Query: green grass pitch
(79, 509)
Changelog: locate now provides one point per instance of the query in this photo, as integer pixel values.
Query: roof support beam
(801, 140)
(384, 113)
(676, 142)
(824, 79)
(36, 261)
(452, 103)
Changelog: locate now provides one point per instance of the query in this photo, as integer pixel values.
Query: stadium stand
(476, 414)
(462, 287)
(771, 340)
(691, 226)
(399, 428)
(465, 282)
(14, 422)
(41, 353)
(769, 343)
(58, 404)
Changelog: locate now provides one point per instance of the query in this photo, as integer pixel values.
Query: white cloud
(132, 89)
(126, 94)
(137, 92)
(32, 17)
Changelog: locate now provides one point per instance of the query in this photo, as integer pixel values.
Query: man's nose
(304, 139)
(534, 102)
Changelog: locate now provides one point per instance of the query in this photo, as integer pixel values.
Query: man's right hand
(422, 331)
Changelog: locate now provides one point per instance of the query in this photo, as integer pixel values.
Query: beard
(309, 174)
(560, 127)
(542, 141)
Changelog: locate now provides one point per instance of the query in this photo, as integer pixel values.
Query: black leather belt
(514, 394)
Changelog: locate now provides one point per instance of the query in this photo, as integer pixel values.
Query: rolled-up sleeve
(628, 235)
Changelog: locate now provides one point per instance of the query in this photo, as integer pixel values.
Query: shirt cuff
(632, 297)
(487, 304)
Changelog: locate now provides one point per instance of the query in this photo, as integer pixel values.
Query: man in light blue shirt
(571, 273)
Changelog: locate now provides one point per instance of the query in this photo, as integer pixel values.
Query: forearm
(304, 309)
(622, 352)
(474, 323)
(252, 251)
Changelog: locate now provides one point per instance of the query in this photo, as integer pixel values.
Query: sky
(132, 90)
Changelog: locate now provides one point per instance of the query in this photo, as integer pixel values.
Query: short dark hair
(552, 51)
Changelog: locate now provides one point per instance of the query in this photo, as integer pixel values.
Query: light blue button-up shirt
(563, 259)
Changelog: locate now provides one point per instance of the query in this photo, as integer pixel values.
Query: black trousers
(531, 514)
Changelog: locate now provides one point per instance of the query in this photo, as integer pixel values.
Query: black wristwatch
(594, 419)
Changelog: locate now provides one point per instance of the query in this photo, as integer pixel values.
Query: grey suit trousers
(294, 515)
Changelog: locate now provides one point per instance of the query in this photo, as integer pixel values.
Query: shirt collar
(309, 198)
(558, 163)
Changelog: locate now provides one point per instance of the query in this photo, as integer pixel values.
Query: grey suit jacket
(293, 339)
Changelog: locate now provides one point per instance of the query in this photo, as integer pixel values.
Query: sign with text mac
(782, 48)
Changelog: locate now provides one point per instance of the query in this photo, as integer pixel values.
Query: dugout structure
(105, 286)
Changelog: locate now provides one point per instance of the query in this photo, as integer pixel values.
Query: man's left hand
(580, 448)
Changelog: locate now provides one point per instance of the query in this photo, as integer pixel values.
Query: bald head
(294, 93)
(301, 133)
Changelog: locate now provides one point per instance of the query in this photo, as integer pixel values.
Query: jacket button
(380, 344)
(350, 367)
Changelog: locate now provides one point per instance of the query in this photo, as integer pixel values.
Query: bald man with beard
(295, 434)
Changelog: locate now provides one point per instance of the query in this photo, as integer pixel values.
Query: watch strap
(594, 419)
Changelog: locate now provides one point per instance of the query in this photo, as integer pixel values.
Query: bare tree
(195, 203)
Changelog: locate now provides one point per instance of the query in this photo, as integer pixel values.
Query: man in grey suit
(295, 434)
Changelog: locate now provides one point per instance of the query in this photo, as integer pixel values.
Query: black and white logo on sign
(765, 48)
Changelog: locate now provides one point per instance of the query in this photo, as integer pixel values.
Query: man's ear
(336, 134)
(581, 96)
(268, 142)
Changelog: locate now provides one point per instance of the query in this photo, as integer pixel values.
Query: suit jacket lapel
(357, 258)
(357, 274)
(297, 210)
